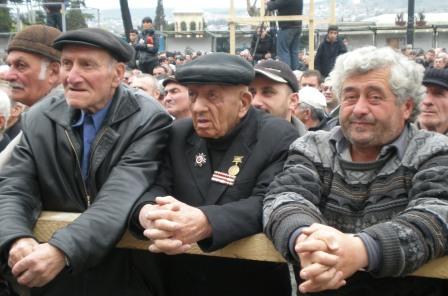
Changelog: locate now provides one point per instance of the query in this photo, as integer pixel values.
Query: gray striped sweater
(399, 200)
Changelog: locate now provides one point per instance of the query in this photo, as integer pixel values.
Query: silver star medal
(200, 160)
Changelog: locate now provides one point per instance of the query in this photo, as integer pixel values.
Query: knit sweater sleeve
(420, 232)
(292, 202)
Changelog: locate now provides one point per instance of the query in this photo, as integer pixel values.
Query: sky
(181, 4)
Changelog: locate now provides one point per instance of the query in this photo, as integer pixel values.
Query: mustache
(426, 109)
(362, 119)
(16, 85)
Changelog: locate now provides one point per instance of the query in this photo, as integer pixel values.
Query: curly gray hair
(405, 75)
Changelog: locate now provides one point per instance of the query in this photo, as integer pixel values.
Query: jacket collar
(123, 105)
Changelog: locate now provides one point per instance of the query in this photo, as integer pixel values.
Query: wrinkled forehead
(200, 87)
(18, 55)
(85, 51)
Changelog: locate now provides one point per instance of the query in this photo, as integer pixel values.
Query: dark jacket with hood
(326, 55)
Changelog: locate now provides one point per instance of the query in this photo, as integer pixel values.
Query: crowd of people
(344, 168)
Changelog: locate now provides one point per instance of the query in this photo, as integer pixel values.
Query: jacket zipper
(87, 196)
(92, 150)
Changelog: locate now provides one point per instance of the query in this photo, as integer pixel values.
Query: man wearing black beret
(434, 106)
(92, 150)
(212, 183)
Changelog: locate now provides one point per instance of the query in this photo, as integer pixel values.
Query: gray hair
(150, 81)
(44, 63)
(5, 107)
(405, 79)
(316, 113)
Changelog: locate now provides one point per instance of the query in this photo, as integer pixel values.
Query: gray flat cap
(96, 37)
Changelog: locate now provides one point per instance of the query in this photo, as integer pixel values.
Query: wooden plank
(256, 247)
(311, 26)
(256, 20)
(232, 29)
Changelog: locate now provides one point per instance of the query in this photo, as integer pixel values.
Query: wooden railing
(256, 247)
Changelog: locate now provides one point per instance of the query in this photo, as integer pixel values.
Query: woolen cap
(278, 72)
(436, 77)
(36, 39)
(216, 68)
(99, 38)
(313, 97)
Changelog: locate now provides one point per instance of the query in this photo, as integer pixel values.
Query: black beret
(216, 68)
(96, 37)
(436, 76)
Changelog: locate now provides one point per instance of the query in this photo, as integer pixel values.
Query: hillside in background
(347, 10)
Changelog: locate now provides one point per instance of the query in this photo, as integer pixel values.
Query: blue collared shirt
(91, 124)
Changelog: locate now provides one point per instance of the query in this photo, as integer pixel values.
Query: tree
(5, 17)
(169, 27)
(126, 17)
(74, 17)
(159, 21)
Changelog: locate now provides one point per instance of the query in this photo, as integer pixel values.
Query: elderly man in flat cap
(434, 106)
(92, 150)
(33, 63)
(212, 184)
(176, 100)
(33, 73)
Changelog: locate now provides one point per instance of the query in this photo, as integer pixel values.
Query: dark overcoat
(234, 212)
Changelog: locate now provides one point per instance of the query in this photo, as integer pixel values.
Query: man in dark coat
(93, 150)
(212, 184)
(328, 51)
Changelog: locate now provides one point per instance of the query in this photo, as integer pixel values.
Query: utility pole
(410, 27)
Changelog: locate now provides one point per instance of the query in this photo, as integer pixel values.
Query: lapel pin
(200, 160)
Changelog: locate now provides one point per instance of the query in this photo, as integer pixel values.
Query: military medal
(200, 160)
(223, 178)
(235, 169)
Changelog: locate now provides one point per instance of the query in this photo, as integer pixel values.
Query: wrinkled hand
(174, 225)
(20, 249)
(39, 267)
(330, 257)
(318, 276)
(154, 233)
